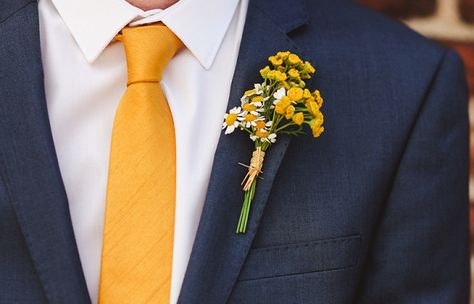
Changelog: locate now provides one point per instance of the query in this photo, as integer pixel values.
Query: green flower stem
(247, 130)
(245, 211)
(248, 197)
(285, 126)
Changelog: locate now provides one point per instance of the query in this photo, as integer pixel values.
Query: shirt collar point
(92, 51)
(90, 58)
(207, 64)
(205, 60)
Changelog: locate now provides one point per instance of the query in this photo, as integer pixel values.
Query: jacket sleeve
(420, 251)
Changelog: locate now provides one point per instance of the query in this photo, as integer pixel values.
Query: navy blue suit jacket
(375, 211)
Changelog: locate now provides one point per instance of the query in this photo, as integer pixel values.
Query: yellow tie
(137, 250)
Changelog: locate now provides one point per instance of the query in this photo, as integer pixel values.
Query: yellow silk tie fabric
(137, 250)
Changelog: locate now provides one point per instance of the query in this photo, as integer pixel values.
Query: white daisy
(279, 94)
(271, 138)
(250, 119)
(263, 135)
(231, 120)
(254, 108)
(259, 88)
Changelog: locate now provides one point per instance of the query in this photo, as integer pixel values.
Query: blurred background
(450, 22)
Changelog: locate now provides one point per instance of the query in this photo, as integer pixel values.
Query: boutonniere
(281, 104)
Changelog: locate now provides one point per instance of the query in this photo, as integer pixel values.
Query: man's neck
(147, 5)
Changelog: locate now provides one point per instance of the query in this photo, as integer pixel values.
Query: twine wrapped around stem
(255, 168)
(249, 184)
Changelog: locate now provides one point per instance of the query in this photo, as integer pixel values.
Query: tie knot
(148, 50)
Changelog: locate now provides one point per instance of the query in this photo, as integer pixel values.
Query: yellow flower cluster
(282, 103)
(288, 69)
(301, 106)
(298, 104)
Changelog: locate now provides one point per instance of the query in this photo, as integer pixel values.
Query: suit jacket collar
(28, 163)
(218, 252)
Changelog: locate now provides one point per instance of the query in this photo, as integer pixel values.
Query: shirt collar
(200, 24)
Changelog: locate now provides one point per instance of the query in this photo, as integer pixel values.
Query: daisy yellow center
(257, 99)
(250, 117)
(249, 92)
(260, 124)
(230, 119)
(249, 107)
(261, 134)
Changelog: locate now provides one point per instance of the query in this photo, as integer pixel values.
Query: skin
(152, 4)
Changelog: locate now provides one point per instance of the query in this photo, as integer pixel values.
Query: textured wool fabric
(375, 211)
(140, 209)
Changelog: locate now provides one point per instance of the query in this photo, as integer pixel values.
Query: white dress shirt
(85, 78)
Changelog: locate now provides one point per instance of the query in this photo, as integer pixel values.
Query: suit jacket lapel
(218, 252)
(28, 163)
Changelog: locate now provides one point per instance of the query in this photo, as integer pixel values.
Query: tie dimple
(148, 50)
